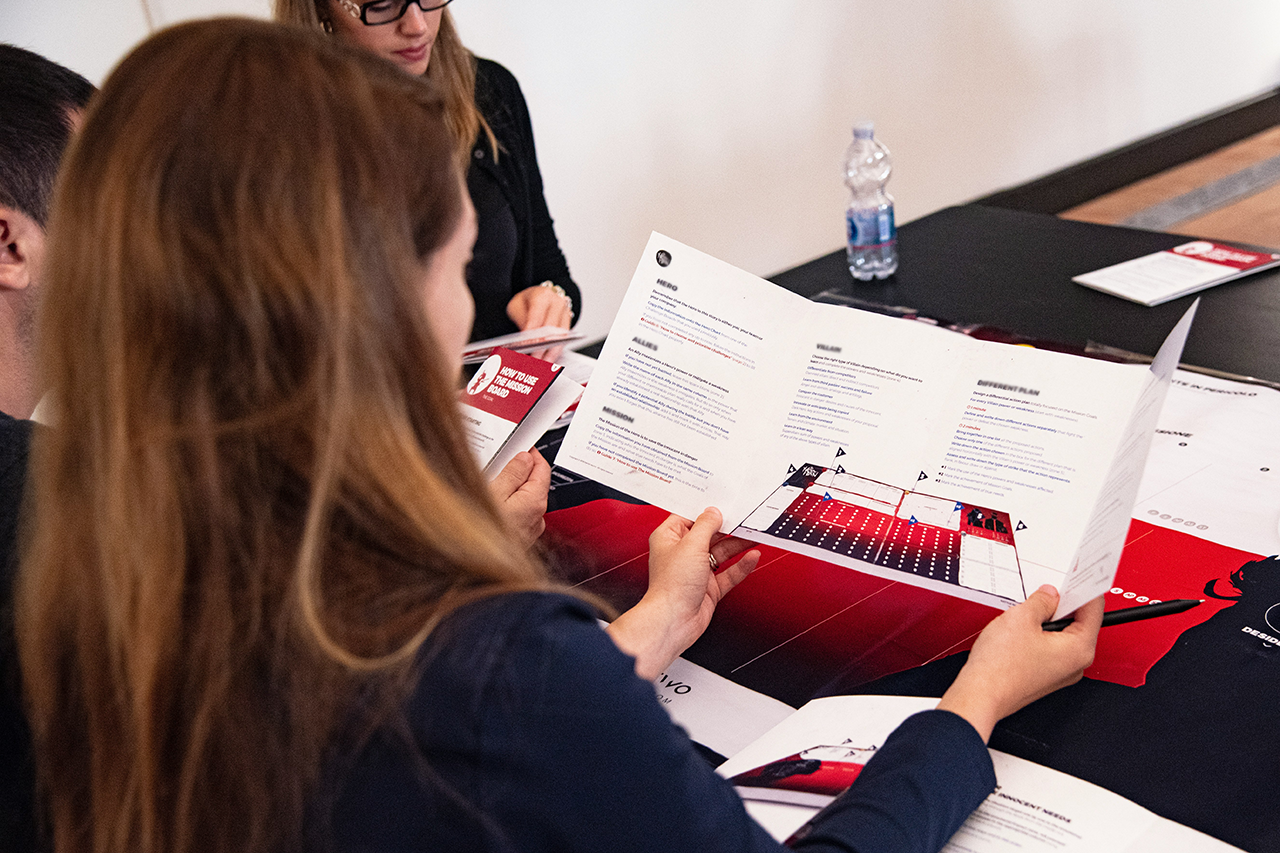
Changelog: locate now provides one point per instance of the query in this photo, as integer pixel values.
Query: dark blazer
(529, 731)
(17, 822)
(538, 256)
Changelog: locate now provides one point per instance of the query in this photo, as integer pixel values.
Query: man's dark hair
(37, 97)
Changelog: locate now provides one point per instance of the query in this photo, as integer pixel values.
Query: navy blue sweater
(17, 780)
(529, 731)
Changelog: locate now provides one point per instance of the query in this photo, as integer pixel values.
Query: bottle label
(871, 227)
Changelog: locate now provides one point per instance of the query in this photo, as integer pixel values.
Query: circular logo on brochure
(484, 375)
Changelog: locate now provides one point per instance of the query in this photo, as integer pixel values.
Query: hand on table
(539, 306)
(520, 490)
(1015, 662)
(683, 589)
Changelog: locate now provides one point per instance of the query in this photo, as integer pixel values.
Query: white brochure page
(1159, 277)
(1032, 432)
(688, 365)
(550, 406)
(713, 710)
(855, 395)
(1214, 466)
(1098, 556)
(858, 391)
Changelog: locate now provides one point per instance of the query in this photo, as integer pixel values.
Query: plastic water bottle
(873, 239)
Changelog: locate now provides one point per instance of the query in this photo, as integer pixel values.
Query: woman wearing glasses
(518, 277)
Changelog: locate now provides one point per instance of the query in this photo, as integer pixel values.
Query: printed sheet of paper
(510, 401)
(715, 712)
(1214, 465)
(577, 368)
(1099, 552)
(897, 448)
(1161, 276)
(527, 341)
(1032, 809)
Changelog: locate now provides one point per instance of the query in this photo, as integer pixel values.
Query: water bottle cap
(864, 130)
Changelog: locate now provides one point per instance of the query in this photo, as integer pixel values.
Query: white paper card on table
(1191, 267)
(509, 403)
(714, 711)
(529, 340)
(1214, 460)
(976, 467)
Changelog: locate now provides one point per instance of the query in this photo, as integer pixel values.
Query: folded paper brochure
(899, 449)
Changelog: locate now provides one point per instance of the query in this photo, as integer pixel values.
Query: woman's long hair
(257, 501)
(452, 69)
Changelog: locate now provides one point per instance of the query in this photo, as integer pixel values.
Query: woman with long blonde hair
(268, 603)
(518, 278)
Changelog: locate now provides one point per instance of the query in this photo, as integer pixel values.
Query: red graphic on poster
(798, 625)
(508, 385)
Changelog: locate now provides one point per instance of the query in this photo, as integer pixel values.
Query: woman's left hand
(535, 307)
(683, 591)
(520, 490)
(1015, 661)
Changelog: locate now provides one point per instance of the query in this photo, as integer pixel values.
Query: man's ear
(18, 236)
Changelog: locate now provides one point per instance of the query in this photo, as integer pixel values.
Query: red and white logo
(485, 375)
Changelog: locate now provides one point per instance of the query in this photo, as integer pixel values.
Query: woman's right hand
(684, 588)
(539, 306)
(1015, 662)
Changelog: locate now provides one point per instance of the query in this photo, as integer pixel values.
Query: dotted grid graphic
(963, 544)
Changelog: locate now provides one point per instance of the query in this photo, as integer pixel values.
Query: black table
(1012, 270)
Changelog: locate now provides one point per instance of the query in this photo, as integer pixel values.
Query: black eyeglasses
(385, 11)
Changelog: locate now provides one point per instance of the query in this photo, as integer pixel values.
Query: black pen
(1133, 614)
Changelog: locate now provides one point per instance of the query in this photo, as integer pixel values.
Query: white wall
(722, 122)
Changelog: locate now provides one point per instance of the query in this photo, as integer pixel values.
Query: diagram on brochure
(833, 514)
